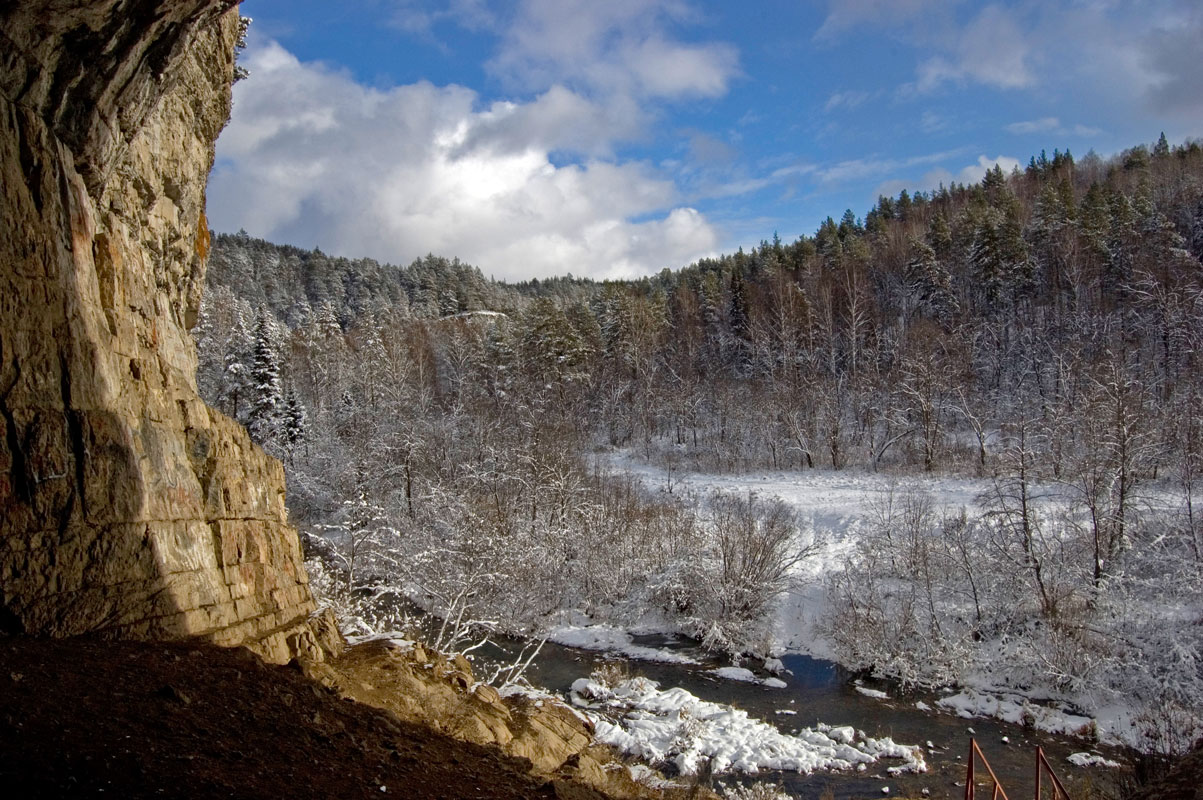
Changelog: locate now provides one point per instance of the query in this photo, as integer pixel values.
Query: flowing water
(820, 691)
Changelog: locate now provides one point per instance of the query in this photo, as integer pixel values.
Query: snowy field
(832, 506)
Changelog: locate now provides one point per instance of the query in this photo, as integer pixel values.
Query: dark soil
(87, 717)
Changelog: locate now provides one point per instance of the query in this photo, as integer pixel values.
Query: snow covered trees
(266, 417)
(753, 547)
(1040, 329)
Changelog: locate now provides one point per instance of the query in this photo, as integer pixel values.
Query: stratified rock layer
(127, 506)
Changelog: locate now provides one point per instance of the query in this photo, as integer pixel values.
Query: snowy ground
(833, 507)
(608, 639)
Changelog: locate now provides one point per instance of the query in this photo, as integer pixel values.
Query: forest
(448, 439)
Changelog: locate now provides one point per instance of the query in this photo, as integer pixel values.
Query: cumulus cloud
(969, 174)
(312, 157)
(992, 49)
(613, 47)
(975, 172)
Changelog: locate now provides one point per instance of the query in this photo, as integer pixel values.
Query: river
(821, 691)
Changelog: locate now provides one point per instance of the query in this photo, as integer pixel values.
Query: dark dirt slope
(86, 717)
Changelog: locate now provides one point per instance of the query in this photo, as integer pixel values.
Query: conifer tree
(295, 423)
(235, 393)
(267, 412)
(931, 284)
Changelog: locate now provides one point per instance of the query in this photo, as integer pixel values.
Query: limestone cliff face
(127, 506)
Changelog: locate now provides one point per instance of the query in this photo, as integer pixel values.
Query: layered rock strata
(429, 688)
(127, 506)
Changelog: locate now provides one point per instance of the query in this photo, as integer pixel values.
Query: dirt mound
(87, 717)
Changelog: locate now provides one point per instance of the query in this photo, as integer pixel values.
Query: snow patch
(608, 639)
(747, 676)
(876, 694)
(1018, 711)
(1091, 760)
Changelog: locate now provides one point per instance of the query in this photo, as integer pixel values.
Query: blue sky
(614, 138)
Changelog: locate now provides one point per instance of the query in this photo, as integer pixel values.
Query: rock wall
(127, 506)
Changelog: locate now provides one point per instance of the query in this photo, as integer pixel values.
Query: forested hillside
(1041, 329)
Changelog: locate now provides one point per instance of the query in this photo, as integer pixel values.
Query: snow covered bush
(755, 791)
(750, 549)
(1008, 598)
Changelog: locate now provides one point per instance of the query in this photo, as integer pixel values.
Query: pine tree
(551, 347)
(1162, 148)
(931, 284)
(295, 423)
(267, 413)
(235, 385)
(939, 236)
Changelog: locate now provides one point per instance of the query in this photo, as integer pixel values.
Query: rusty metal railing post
(969, 771)
(1039, 769)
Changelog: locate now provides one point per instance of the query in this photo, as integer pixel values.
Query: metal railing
(976, 753)
(1042, 767)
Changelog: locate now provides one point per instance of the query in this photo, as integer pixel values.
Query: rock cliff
(127, 506)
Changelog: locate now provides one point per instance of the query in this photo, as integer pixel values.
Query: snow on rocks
(675, 727)
(1091, 760)
(608, 639)
(747, 676)
(1016, 710)
(876, 694)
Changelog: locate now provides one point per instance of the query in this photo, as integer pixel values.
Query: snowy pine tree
(295, 422)
(235, 383)
(266, 418)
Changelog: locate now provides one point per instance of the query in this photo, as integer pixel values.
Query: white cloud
(558, 120)
(412, 17)
(1052, 125)
(850, 99)
(613, 47)
(975, 172)
(970, 174)
(312, 157)
(1035, 125)
(864, 168)
(1132, 62)
(992, 50)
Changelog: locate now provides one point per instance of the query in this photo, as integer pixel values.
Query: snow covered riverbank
(1007, 678)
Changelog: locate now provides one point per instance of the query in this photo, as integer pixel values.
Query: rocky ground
(88, 717)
